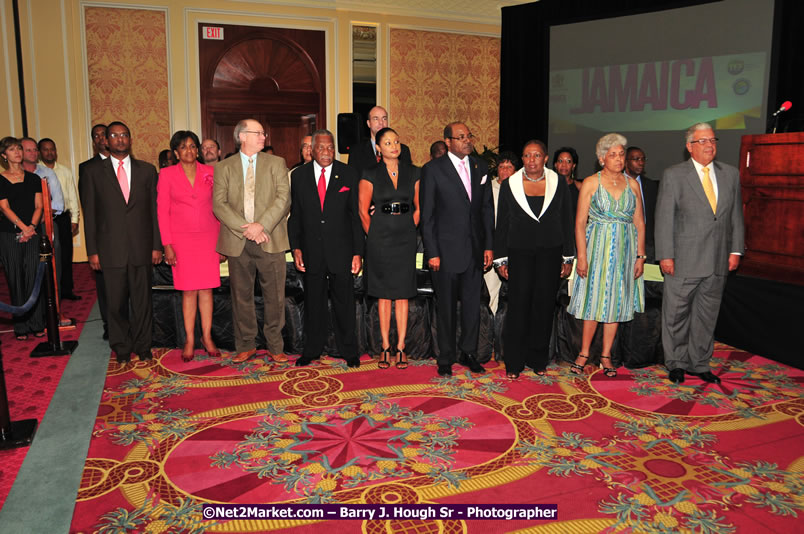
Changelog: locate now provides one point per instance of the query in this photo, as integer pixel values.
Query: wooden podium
(772, 180)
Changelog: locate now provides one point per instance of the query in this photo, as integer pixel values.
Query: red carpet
(627, 454)
(31, 382)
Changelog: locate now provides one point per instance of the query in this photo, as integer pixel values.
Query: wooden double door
(273, 75)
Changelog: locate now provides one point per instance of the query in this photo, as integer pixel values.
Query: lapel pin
(336, 176)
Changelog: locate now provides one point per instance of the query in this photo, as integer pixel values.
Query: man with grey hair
(251, 198)
(327, 242)
(699, 239)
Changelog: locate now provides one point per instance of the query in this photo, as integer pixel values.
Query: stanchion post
(13, 434)
(53, 346)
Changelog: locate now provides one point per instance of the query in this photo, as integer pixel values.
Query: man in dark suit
(250, 197)
(122, 238)
(101, 152)
(635, 167)
(699, 239)
(457, 222)
(327, 243)
(365, 154)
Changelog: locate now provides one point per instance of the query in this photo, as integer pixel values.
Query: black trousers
(533, 280)
(100, 286)
(449, 287)
(64, 228)
(129, 288)
(20, 261)
(340, 287)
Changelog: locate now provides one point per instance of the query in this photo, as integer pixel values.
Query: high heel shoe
(610, 372)
(188, 357)
(576, 368)
(401, 359)
(385, 359)
(215, 353)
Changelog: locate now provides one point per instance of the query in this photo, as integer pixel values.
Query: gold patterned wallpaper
(128, 76)
(437, 78)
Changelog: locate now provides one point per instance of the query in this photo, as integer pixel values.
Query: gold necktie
(709, 191)
(248, 194)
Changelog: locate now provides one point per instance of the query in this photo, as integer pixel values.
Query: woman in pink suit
(189, 234)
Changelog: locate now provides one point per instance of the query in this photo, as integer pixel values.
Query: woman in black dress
(393, 187)
(21, 206)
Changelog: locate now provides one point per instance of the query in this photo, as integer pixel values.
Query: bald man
(365, 154)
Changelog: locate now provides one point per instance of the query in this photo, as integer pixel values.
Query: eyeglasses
(462, 138)
(258, 134)
(536, 156)
(98, 136)
(121, 135)
(642, 159)
(704, 141)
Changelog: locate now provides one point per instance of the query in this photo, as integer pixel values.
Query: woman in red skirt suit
(189, 233)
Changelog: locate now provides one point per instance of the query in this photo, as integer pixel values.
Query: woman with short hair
(189, 234)
(610, 240)
(534, 242)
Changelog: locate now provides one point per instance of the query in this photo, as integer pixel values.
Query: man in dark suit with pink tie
(457, 222)
(327, 243)
(122, 238)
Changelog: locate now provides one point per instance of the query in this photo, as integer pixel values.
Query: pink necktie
(122, 179)
(467, 183)
(322, 188)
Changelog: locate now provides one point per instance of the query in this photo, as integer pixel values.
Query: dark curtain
(762, 317)
(787, 64)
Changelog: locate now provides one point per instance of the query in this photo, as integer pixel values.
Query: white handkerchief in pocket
(483, 180)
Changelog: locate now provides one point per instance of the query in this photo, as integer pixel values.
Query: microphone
(787, 105)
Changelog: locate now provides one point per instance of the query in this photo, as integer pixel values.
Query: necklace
(614, 180)
(528, 178)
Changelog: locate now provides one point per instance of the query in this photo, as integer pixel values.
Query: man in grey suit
(699, 239)
(251, 198)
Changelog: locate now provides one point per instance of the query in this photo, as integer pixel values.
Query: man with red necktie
(327, 243)
(122, 239)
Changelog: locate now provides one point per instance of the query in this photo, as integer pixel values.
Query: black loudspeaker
(348, 131)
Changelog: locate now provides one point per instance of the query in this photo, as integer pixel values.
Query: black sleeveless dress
(390, 268)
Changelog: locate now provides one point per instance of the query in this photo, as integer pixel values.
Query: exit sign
(212, 32)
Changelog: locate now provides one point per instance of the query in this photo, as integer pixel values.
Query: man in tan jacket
(251, 198)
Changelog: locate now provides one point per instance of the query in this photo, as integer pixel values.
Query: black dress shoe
(71, 296)
(106, 333)
(471, 362)
(145, 356)
(353, 362)
(707, 376)
(444, 370)
(304, 361)
(123, 358)
(676, 376)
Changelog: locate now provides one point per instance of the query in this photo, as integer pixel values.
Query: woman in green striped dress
(610, 241)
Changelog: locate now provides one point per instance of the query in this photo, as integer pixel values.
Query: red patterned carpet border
(632, 453)
(31, 382)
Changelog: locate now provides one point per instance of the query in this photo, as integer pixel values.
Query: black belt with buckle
(396, 207)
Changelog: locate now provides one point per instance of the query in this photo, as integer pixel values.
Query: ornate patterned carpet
(627, 454)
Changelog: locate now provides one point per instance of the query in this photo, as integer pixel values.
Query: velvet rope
(18, 310)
